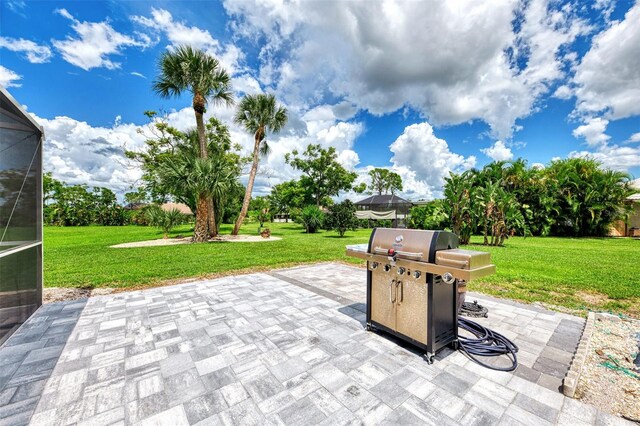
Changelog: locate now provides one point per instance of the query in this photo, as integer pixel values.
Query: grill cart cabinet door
(411, 310)
(383, 296)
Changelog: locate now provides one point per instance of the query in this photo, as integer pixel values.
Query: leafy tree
(185, 69)
(288, 196)
(341, 217)
(165, 220)
(588, 198)
(322, 175)
(573, 197)
(169, 171)
(137, 197)
(428, 216)
(312, 219)
(458, 207)
(260, 207)
(384, 181)
(258, 114)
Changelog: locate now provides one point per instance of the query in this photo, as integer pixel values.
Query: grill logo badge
(398, 243)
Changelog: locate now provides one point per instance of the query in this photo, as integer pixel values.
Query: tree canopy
(571, 197)
(384, 181)
(322, 174)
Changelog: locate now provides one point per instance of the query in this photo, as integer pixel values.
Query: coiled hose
(486, 343)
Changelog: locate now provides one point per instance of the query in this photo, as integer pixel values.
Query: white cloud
(593, 131)
(35, 53)
(96, 42)
(607, 78)
(9, 78)
(137, 74)
(16, 6)
(78, 153)
(563, 92)
(423, 161)
(634, 138)
(613, 156)
(179, 33)
(498, 152)
(444, 59)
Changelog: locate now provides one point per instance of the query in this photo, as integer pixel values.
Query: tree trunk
(252, 177)
(202, 138)
(211, 218)
(201, 230)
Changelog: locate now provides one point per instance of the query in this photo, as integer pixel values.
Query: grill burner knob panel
(401, 270)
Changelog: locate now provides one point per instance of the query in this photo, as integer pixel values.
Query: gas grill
(415, 283)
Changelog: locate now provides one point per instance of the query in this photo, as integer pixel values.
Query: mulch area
(610, 378)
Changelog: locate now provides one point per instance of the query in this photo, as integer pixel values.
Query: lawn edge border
(570, 382)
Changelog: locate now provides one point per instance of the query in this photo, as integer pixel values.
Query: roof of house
(16, 115)
(183, 208)
(391, 200)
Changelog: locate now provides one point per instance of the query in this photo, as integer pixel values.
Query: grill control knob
(401, 270)
(387, 267)
(417, 274)
(374, 265)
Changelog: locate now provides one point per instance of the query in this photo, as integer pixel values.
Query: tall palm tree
(185, 69)
(258, 114)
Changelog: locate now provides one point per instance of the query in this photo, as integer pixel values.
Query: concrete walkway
(282, 348)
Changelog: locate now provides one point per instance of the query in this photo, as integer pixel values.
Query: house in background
(20, 215)
(385, 207)
(181, 207)
(631, 226)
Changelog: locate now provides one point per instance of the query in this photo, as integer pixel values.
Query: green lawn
(574, 273)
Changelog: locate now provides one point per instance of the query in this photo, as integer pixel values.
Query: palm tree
(258, 114)
(185, 69)
(206, 178)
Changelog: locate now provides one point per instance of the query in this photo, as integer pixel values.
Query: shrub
(383, 223)
(165, 220)
(312, 219)
(428, 216)
(342, 217)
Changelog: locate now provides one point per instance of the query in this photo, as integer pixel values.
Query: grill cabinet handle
(392, 295)
(399, 285)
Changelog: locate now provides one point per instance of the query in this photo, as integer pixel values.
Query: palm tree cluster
(201, 173)
(572, 197)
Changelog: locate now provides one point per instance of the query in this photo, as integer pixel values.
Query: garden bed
(610, 377)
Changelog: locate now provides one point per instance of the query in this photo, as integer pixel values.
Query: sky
(422, 88)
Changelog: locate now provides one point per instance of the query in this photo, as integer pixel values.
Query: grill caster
(368, 327)
(429, 358)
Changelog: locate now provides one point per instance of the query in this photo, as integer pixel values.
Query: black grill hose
(487, 343)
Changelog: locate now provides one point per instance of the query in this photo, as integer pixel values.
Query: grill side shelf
(431, 268)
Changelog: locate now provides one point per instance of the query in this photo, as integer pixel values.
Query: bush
(312, 219)
(383, 223)
(342, 217)
(428, 216)
(165, 220)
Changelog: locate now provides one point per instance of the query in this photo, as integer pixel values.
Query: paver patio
(287, 347)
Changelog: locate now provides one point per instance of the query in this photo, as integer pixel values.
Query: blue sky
(423, 88)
